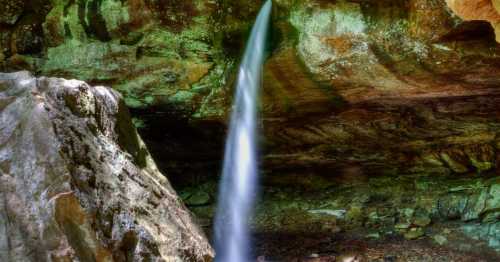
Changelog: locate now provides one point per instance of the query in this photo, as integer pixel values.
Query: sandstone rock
(371, 83)
(475, 205)
(452, 206)
(485, 231)
(455, 161)
(492, 205)
(77, 182)
(478, 10)
(351, 79)
(475, 10)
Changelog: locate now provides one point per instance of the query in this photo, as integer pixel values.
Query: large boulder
(78, 184)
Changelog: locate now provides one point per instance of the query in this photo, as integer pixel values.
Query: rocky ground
(352, 248)
(446, 218)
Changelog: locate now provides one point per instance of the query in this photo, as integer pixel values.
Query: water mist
(239, 176)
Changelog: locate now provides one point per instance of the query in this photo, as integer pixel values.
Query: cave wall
(478, 10)
(171, 55)
(381, 84)
(409, 85)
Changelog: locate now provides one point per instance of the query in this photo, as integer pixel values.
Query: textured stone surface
(403, 85)
(388, 84)
(136, 46)
(379, 88)
(487, 10)
(388, 205)
(78, 184)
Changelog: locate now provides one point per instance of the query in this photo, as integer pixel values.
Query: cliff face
(403, 84)
(78, 184)
(166, 54)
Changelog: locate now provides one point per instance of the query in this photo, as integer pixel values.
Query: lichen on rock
(134, 46)
(77, 182)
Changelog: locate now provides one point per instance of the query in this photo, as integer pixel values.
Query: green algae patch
(94, 61)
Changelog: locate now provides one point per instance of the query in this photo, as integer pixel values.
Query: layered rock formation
(407, 87)
(78, 184)
(403, 85)
(167, 55)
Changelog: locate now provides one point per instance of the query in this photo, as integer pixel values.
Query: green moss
(87, 61)
(73, 24)
(116, 14)
(137, 63)
(214, 88)
(138, 123)
(161, 43)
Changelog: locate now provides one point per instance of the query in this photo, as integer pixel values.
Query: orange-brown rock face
(404, 85)
(487, 10)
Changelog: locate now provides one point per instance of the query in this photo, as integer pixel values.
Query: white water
(239, 178)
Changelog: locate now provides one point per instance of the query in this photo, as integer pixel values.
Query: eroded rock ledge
(77, 182)
(487, 10)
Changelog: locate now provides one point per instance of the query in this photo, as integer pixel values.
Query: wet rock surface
(351, 248)
(456, 213)
(136, 46)
(78, 184)
(385, 85)
(407, 84)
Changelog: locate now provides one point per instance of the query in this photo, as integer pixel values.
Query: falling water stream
(239, 176)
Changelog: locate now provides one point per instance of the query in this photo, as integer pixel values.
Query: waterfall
(239, 175)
